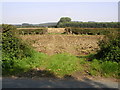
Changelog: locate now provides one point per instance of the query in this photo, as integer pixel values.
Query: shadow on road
(36, 74)
(46, 79)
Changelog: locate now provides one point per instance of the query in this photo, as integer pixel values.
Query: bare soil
(74, 44)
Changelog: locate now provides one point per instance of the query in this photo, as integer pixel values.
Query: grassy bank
(64, 64)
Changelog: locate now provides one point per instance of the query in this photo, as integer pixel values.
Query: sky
(42, 12)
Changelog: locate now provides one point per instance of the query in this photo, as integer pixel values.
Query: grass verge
(64, 64)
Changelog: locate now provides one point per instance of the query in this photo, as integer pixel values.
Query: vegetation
(27, 25)
(91, 31)
(18, 57)
(90, 24)
(66, 22)
(12, 47)
(62, 64)
(63, 20)
(110, 48)
(104, 68)
(31, 31)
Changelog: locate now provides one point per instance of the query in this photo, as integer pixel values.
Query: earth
(73, 44)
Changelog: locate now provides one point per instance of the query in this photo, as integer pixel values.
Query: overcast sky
(42, 12)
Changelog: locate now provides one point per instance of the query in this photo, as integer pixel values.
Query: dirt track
(73, 44)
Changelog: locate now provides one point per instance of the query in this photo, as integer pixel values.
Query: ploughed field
(73, 44)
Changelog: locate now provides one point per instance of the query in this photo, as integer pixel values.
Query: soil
(73, 44)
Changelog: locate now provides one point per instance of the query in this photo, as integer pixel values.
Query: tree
(63, 20)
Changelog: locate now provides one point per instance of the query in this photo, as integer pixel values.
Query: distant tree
(63, 20)
(25, 24)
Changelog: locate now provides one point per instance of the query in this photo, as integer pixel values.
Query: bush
(109, 48)
(12, 47)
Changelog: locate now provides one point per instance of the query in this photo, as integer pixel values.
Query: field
(58, 54)
(73, 44)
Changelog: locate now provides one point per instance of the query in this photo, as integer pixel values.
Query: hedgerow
(12, 47)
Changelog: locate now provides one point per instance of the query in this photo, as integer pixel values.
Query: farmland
(54, 44)
(65, 41)
(61, 53)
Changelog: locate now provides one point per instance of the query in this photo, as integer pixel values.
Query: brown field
(28, 28)
(73, 44)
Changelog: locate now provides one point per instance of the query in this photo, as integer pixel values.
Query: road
(8, 82)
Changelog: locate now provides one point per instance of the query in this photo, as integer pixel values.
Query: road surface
(8, 82)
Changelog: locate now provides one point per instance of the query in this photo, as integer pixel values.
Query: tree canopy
(63, 20)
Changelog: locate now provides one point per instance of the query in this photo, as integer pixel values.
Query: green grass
(64, 64)
(109, 68)
(103, 68)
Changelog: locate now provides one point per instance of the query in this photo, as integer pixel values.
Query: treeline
(66, 22)
(31, 31)
(90, 24)
(74, 24)
(27, 25)
(91, 31)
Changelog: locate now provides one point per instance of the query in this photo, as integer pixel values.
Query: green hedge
(91, 31)
(90, 24)
(31, 31)
(12, 47)
(110, 48)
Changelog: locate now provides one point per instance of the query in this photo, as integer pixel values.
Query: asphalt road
(56, 83)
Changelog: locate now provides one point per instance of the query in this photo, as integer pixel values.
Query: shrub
(109, 48)
(12, 47)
